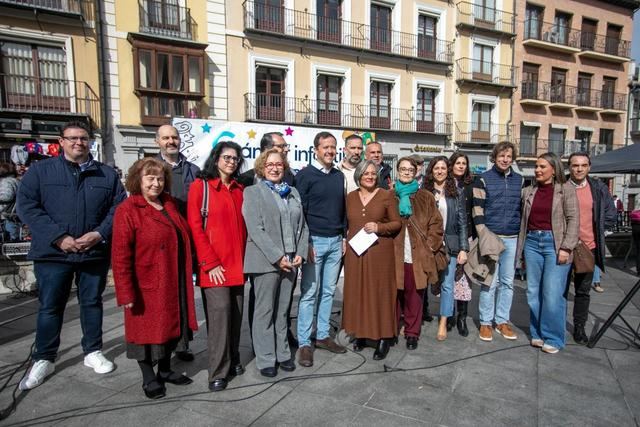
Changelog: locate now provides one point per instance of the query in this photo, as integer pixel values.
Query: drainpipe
(513, 60)
(102, 76)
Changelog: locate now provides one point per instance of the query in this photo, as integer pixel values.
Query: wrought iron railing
(486, 72)
(604, 44)
(281, 21)
(305, 111)
(482, 133)
(165, 19)
(50, 96)
(551, 32)
(480, 16)
(613, 101)
(535, 90)
(527, 147)
(82, 8)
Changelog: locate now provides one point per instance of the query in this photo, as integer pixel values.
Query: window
(269, 15)
(556, 140)
(558, 85)
(608, 92)
(606, 138)
(425, 109)
(163, 14)
(329, 99)
(561, 28)
(584, 89)
(380, 27)
(612, 43)
(530, 74)
(533, 22)
(584, 138)
(485, 13)
(35, 77)
(528, 140)
(270, 93)
(481, 122)
(588, 34)
(427, 36)
(168, 80)
(482, 62)
(380, 105)
(329, 13)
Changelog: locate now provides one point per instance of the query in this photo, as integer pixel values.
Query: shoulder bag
(583, 260)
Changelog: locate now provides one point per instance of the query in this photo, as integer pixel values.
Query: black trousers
(582, 286)
(635, 233)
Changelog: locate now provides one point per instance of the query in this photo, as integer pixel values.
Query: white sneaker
(40, 370)
(536, 342)
(549, 349)
(98, 362)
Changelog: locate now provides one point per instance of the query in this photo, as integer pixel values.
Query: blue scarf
(282, 189)
(404, 191)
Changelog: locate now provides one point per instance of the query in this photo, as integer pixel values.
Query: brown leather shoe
(330, 345)
(486, 333)
(505, 330)
(305, 357)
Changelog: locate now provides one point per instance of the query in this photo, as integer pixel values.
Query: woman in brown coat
(369, 279)
(420, 237)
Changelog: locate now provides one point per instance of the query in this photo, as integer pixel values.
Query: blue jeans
(12, 229)
(318, 285)
(546, 288)
(54, 286)
(502, 285)
(596, 275)
(446, 288)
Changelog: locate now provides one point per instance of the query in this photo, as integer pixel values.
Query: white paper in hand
(362, 240)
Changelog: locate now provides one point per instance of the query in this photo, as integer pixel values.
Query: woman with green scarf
(420, 237)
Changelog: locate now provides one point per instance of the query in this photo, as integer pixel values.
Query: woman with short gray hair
(363, 166)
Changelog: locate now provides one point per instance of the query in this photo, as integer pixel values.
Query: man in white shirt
(352, 157)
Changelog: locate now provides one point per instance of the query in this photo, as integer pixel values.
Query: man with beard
(352, 157)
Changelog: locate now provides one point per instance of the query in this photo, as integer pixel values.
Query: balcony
(550, 36)
(562, 96)
(27, 94)
(292, 24)
(613, 103)
(535, 93)
(69, 8)
(634, 126)
(485, 72)
(482, 133)
(531, 148)
(311, 112)
(166, 20)
(527, 148)
(611, 49)
(485, 18)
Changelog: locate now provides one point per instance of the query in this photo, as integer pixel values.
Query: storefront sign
(419, 148)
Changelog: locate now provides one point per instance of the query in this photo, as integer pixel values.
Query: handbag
(583, 260)
(461, 287)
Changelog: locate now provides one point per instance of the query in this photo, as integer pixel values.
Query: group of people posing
(437, 226)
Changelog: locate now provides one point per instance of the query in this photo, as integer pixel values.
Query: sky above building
(635, 42)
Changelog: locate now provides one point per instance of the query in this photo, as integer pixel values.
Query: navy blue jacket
(55, 199)
(604, 216)
(499, 201)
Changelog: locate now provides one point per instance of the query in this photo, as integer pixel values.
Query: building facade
(573, 57)
(49, 75)
(162, 59)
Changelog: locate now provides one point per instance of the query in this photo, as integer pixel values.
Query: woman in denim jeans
(454, 216)
(548, 235)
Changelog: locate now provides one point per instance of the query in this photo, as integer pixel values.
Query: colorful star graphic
(206, 128)
(288, 131)
(252, 134)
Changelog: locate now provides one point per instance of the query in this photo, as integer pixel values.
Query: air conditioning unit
(597, 149)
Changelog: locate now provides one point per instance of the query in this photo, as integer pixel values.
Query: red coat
(224, 240)
(144, 259)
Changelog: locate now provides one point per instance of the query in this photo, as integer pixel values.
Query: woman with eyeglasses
(415, 247)
(451, 205)
(278, 242)
(220, 236)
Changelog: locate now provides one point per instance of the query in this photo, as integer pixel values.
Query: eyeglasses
(281, 146)
(230, 159)
(277, 165)
(407, 170)
(76, 139)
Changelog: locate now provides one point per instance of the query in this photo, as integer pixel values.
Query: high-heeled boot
(461, 320)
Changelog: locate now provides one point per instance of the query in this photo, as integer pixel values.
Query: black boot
(462, 318)
(451, 321)
(579, 335)
(381, 350)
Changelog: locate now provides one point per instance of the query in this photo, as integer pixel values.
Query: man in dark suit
(269, 140)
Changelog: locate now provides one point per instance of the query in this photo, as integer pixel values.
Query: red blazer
(144, 258)
(224, 240)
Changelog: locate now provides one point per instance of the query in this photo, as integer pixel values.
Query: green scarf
(403, 191)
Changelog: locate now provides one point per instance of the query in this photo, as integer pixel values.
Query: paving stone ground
(459, 382)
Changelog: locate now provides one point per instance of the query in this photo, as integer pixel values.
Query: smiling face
(326, 151)
(504, 159)
(168, 140)
(274, 168)
(369, 178)
(152, 185)
(75, 145)
(459, 167)
(440, 172)
(228, 162)
(406, 172)
(544, 172)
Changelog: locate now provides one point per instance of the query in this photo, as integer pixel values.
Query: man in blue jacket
(68, 203)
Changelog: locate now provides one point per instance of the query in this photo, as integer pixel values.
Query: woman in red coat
(151, 260)
(220, 248)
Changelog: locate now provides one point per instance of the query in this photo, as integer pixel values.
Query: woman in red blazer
(151, 260)
(220, 248)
